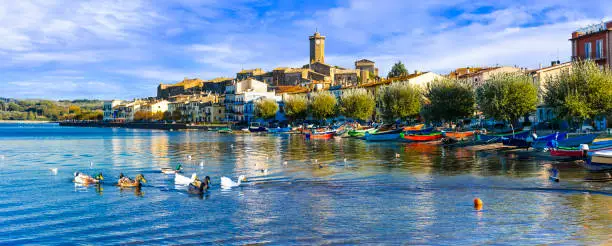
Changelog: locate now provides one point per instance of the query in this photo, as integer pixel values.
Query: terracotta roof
(291, 89)
(481, 71)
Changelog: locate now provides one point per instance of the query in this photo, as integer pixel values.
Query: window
(587, 50)
(599, 49)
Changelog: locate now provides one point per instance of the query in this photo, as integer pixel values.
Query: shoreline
(27, 121)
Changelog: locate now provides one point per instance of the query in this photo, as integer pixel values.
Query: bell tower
(317, 48)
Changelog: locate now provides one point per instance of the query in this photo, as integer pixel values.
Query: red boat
(459, 135)
(566, 153)
(424, 138)
(323, 135)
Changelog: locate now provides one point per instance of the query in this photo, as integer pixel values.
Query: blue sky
(103, 49)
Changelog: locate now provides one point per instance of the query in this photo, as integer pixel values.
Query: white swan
(228, 183)
(182, 180)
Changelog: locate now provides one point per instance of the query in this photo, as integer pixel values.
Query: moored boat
(279, 130)
(599, 160)
(575, 141)
(414, 128)
(256, 127)
(498, 137)
(319, 135)
(423, 137)
(389, 135)
(361, 132)
(224, 130)
(579, 152)
(459, 135)
(533, 141)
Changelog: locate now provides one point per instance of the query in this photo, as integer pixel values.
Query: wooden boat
(320, 135)
(256, 127)
(575, 141)
(422, 131)
(361, 132)
(531, 141)
(389, 135)
(459, 135)
(279, 130)
(599, 160)
(225, 130)
(414, 128)
(498, 137)
(578, 152)
(423, 137)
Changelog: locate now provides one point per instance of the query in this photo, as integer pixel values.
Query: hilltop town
(231, 100)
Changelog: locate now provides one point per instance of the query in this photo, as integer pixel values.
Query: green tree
(322, 105)
(295, 106)
(507, 96)
(266, 108)
(357, 104)
(31, 116)
(14, 107)
(449, 99)
(73, 109)
(399, 100)
(397, 70)
(584, 92)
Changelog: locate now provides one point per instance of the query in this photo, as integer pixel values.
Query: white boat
(599, 160)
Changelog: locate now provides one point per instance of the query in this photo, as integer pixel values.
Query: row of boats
(597, 154)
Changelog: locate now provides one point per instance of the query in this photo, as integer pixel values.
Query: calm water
(423, 197)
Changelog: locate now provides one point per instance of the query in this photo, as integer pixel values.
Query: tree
(584, 92)
(14, 107)
(73, 109)
(449, 99)
(399, 100)
(507, 96)
(357, 104)
(397, 70)
(322, 105)
(266, 108)
(177, 115)
(296, 107)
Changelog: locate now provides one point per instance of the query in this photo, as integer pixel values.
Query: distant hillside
(47, 110)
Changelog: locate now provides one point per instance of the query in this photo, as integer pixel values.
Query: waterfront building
(214, 113)
(540, 78)
(593, 42)
(108, 107)
(239, 95)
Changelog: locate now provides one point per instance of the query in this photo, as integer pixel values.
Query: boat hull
(599, 160)
(328, 135)
(423, 138)
(575, 141)
(459, 135)
(361, 133)
(498, 137)
(384, 136)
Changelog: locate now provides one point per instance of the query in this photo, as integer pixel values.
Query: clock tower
(317, 48)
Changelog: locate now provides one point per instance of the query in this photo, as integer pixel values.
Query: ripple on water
(422, 197)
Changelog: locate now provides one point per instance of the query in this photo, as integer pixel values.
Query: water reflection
(423, 197)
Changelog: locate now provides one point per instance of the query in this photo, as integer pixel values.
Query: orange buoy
(477, 203)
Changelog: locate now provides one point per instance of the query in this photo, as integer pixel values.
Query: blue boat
(256, 127)
(599, 160)
(279, 130)
(538, 142)
(573, 142)
(496, 138)
(422, 131)
(390, 135)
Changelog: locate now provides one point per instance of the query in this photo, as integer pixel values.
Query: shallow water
(423, 197)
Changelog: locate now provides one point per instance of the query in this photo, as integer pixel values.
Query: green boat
(225, 130)
(361, 133)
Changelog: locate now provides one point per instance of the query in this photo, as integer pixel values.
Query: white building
(239, 99)
(109, 113)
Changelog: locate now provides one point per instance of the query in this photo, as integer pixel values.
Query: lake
(339, 191)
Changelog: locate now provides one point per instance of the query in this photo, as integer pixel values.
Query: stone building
(367, 69)
(317, 48)
(256, 73)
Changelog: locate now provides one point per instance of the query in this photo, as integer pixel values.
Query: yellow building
(317, 48)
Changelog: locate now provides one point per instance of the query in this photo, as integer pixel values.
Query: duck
(182, 180)
(228, 183)
(199, 187)
(168, 170)
(81, 178)
(125, 181)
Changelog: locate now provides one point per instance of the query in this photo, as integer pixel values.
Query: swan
(228, 183)
(182, 180)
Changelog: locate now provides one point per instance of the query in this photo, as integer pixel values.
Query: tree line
(582, 92)
(47, 110)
